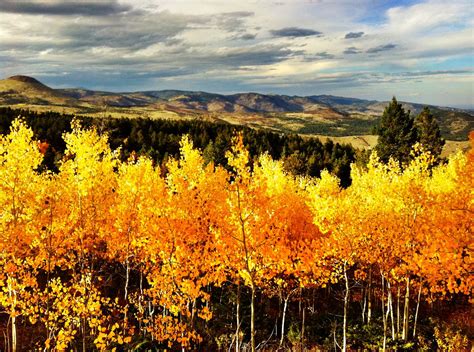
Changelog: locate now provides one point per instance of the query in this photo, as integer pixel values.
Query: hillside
(316, 115)
(27, 90)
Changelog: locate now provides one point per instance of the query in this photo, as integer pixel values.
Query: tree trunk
(13, 334)
(141, 309)
(285, 305)
(252, 319)
(83, 335)
(417, 308)
(193, 311)
(346, 303)
(249, 271)
(127, 280)
(406, 312)
(384, 317)
(12, 293)
(237, 330)
(302, 328)
(390, 302)
(6, 340)
(369, 298)
(364, 304)
(398, 311)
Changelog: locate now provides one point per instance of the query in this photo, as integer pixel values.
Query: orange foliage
(203, 226)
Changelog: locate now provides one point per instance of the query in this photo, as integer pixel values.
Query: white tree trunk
(416, 313)
(285, 305)
(346, 303)
(406, 312)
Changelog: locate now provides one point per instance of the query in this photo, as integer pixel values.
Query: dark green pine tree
(396, 133)
(429, 134)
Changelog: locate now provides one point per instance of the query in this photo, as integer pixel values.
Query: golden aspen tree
(291, 234)
(330, 205)
(88, 179)
(241, 233)
(444, 260)
(257, 235)
(182, 248)
(136, 181)
(20, 202)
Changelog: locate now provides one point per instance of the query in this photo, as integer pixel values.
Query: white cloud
(429, 15)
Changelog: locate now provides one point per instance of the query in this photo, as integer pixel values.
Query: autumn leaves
(108, 253)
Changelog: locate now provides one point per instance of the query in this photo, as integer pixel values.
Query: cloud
(380, 48)
(249, 56)
(232, 21)
(352, 50)
(360, 79)
(64, 8)
(435, 73)
(353, 35)
(431, 14)
(323, 55)
(247, 36)
(295, 32)
(131, 32)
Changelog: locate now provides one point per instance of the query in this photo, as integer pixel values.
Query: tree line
(159, 139)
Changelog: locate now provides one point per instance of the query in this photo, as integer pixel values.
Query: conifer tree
(396, 133)
(429, 134)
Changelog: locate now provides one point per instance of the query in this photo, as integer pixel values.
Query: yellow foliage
(166, 239)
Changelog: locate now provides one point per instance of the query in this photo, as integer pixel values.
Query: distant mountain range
(311, 115)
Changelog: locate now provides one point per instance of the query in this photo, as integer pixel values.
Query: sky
(418, 51)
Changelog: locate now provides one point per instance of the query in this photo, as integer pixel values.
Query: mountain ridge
(313, 114)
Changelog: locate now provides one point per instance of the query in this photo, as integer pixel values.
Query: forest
(159, 139)
(110, 250)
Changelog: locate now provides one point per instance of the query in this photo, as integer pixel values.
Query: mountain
(27, 90)
(315, 115)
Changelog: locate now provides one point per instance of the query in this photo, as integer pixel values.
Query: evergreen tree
(429, 134)
(397, 133)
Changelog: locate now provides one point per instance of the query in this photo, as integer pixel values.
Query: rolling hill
(347, 119)
(22, 89)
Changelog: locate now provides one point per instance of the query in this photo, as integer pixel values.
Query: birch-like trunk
(364, 304)
(237, 330)
(127, 280)
(252, 318)
(398, 311)
(390, 303)
(285, 305)
(369, 298)
(384, 317)
(12, 293)
(416, 313)
(346, 303)
(14, 334)
(406, 312)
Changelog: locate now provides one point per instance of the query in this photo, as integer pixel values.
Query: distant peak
(25, 79)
